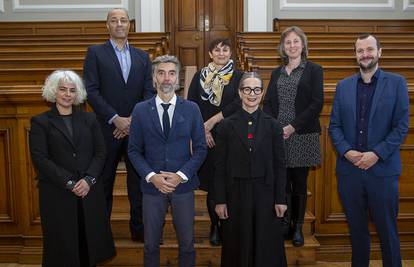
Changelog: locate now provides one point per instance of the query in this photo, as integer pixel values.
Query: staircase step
(120, 227)
(131, 253)
(120, 217)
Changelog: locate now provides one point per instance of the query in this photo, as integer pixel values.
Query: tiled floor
(406, 263)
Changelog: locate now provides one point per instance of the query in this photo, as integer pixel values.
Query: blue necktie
(166, 120)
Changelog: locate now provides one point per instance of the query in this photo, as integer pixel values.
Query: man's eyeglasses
(116, 21)
(249, 90)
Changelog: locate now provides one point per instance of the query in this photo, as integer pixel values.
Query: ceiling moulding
(408, 5)
(285, 5)
(18, 7)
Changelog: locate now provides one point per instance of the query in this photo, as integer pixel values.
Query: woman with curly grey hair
(68, 151)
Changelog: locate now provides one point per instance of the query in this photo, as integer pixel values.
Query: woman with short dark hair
(214, 89)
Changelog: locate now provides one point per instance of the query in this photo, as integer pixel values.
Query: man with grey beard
(167, 147)
(369, 121)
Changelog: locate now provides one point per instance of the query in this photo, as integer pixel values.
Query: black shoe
(297, 239)
(298, 216)
(214, 236)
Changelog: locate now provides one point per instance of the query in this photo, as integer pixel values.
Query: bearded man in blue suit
(369, 122)
(167, 146)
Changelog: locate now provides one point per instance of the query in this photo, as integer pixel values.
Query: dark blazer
(150, 151)
(233, 158)
(230, 103)
(388, 122)
(108, 94)
(59, 158)
(308, 101)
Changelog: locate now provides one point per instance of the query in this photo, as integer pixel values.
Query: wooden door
(194, 23)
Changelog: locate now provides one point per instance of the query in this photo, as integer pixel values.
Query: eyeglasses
(116, 21)
(249, 90)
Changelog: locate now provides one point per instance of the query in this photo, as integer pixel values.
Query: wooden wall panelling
(8, 209)
(331, 229)
(22, 235)
(194, 24)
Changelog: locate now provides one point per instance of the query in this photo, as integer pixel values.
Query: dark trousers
(154, 209)
(116, 150)
(296, 180)
(252, 235)
(364, 195)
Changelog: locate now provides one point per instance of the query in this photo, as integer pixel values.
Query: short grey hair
(302, 36)
(248, 75)
(52, 84)
(116, 8)
(166, 59)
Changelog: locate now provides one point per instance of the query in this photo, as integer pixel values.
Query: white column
(256, 15)
(150, 13)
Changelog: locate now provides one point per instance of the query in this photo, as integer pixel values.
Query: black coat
(233, 158)
(59, 158)
(250, 184)
(230, 103)
(308, 102)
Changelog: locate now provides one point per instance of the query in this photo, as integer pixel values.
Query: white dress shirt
(160, 110)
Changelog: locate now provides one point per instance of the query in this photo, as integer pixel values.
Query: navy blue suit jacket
(108, 94)
(387, 128)
(150, 151)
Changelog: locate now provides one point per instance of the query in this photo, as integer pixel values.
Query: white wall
(323, 9)
(60, 10)
(340, 9)
(258, 14)
(148, 14)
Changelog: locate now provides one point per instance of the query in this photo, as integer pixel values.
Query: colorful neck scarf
(213, 80)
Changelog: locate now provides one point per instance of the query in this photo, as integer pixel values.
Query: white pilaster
(256, 15)
(150, 13)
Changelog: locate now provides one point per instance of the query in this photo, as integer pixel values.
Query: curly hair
(52, 84)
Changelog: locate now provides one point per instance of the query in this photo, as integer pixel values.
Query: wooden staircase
(130, 253)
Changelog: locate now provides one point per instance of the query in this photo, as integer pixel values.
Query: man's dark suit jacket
(108, 94)
(183, 150)
(308, 101)
(234, 160)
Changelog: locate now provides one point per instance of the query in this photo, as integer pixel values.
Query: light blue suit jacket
(150, 151)
(387, 128)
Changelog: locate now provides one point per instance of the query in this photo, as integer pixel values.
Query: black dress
(250, 179)
(229, 104)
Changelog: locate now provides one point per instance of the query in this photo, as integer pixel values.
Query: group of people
(253, 162)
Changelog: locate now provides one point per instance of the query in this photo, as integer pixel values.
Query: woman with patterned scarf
(214, 89)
